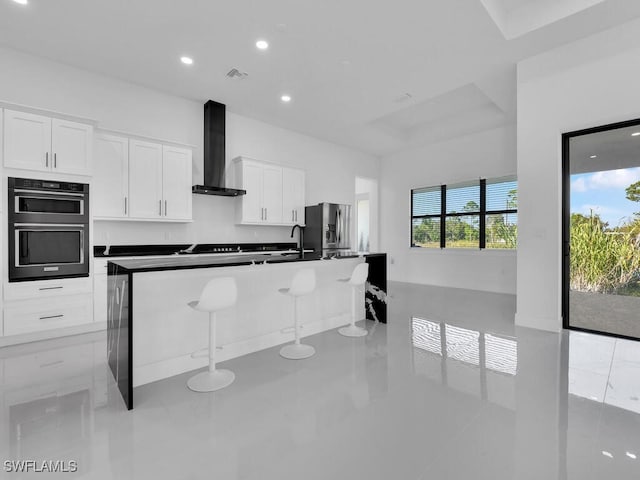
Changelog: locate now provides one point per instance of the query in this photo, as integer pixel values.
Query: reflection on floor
(449, 389)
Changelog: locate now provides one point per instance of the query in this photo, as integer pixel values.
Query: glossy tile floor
(450, 389)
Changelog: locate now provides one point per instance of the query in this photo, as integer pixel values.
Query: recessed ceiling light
(631, 455)
(21, 2)
(262, 44)
(593, 156)
(285, 98)
(607, 454)
(635, 134)
(186, 60)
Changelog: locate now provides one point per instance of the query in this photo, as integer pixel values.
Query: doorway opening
(366, 213)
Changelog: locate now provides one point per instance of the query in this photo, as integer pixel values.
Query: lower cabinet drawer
(49, 365)
(47, 314)
(47, 288)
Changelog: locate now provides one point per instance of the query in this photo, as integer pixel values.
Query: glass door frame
(565, 250)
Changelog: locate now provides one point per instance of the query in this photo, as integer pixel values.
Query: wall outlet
(392, 260)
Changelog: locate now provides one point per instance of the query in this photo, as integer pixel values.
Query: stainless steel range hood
(214, 153)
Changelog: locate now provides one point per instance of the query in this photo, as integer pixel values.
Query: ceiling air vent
(235, 73)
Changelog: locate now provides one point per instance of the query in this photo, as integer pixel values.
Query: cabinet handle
(296, 215)
(125, 205)
(160, 207)
(165, 208)
(51, 316)
(55, 160)
(262, 213)
(46, 159)
(51, 288)
(266, 213)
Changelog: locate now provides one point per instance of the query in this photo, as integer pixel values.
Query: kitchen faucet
(301, 238)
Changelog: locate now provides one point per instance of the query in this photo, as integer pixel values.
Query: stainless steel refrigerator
(328, 228)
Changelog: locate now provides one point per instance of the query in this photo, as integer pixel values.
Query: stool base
(297, 352)
(353, 331)
(211, 381)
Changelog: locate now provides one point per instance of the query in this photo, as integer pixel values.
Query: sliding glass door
(601, 229)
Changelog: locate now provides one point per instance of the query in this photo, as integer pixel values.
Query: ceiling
(603, 151)
(348, 65)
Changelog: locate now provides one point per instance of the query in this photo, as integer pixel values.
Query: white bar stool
(358, 278)
(303, 283)
(218, 294)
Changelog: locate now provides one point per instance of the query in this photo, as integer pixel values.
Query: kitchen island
(147, 309)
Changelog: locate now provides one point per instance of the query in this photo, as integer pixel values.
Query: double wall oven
(48, 233)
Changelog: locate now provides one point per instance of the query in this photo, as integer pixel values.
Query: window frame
(443, 215)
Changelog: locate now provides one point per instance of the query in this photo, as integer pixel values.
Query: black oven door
(34, 206)
(47, 251)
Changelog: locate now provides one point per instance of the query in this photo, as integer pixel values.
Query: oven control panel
(47, 185)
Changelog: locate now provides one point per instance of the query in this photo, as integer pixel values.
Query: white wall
(330, 169)
(486, 154)
(584, 84)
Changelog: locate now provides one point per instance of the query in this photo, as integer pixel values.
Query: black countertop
(199, 248)
(198, 261)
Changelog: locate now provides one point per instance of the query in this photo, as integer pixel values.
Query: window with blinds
(475, 214)
(501, 230)
(462, 222)
(426, 210)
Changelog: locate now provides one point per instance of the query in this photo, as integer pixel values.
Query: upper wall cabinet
(176, 182)
(139, 180)
(37, 142)
(145, 179)
(275, 194)
(110, 196)
(293, 195)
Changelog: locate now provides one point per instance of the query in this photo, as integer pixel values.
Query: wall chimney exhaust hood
(214, 153)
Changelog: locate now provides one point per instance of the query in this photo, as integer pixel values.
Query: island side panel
(376, 292)
(166, 330)
(119, 330)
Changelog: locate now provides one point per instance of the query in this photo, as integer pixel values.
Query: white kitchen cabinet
(272, 193)
(293, 199)
(139, 180)
(275, 194)
(27, 141)
(71, 147)
(38, 142)
(47, 314)
(145, 179)
(111, 177)
(100, 284)
(176, 182)
(250, 177)
(39, 289)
